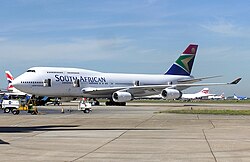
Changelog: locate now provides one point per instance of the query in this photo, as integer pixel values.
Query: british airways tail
(10, 78)
(183, 65)
(10, 87)
(205, 91)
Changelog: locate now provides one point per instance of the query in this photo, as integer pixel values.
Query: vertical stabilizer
(183, 65)
(10, 78)
(205, 91)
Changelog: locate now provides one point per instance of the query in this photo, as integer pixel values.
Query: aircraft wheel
(122, 104)
(112, 103)
(34, 113)
(97, 103)
(86, 111)
(108, 103)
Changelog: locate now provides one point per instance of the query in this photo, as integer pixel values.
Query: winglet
(236, 81)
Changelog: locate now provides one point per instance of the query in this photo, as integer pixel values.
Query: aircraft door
(76, 83)
(136, 83)
(47, 83)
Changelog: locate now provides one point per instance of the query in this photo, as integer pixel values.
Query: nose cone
(15, 83)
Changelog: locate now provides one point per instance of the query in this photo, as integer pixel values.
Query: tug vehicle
(15, 106)
(84, 106)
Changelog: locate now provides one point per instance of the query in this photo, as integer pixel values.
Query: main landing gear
(113, 103)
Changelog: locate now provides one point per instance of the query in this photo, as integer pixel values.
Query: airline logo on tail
(205, 91)
(183, 65)
(10, 78)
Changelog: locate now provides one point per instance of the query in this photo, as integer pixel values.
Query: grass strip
(206, 111)
(195, 101)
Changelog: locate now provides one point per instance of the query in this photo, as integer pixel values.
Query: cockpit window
(31, 71)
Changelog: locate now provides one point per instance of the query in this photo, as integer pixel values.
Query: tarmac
(132, 133)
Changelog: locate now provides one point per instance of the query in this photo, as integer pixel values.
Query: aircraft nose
(16, 82)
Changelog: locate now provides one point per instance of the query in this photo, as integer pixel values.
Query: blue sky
(132, 36)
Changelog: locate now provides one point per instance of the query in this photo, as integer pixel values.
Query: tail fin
(183, 65)
(205, 91)
(10, 78)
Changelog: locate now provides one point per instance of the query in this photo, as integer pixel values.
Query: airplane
(40, 100)
(119, 88)
(217, 97)
(203, 93)
(11, 89)
(11, 92)
(240, 97)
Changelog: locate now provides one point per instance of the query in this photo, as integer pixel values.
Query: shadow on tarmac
(13, 129)
(3, 142)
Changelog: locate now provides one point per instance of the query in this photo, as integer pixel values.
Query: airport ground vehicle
(84, 106)
(9, 105)
(15, 106)
(94, 102)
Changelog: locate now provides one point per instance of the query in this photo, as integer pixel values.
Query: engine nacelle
(121, 96)
(171, 94)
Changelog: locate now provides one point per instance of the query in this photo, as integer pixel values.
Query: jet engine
(121, 96)
(171, 94)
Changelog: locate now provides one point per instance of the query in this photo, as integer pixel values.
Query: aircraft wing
(158, 88)
(101, 91)
(154, 89)
(193, 80)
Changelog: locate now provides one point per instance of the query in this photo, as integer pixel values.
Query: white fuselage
(195, 95)
(62, 79)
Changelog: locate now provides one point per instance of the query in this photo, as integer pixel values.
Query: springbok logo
(185, 61)
(183, 65)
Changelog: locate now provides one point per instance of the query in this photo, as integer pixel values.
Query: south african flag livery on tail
(183, 65)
